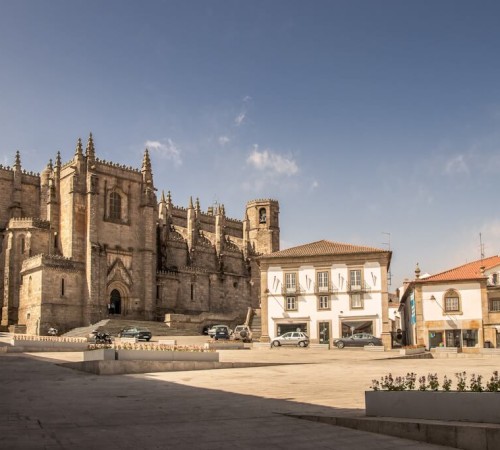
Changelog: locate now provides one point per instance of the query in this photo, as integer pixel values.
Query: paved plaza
(48, 406)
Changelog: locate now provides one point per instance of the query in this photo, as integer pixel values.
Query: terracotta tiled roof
(468, 271)
(320, 248)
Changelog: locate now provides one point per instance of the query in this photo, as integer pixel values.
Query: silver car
(291, 338)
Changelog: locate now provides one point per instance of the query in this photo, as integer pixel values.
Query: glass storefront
(453, 338)
(350, 327)
(286, 327)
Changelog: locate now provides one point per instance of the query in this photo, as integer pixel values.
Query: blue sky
(361, 117)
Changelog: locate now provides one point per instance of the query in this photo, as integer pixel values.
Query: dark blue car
(221, 333)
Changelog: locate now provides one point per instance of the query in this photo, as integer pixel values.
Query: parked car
(212, 330)
(243, 332)
(291, 338)
(142, 334)
(206, 329)
(357, 340)
(222, 333)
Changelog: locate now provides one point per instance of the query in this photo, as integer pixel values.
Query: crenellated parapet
(27, 177)
(28, 222)
(53, 262)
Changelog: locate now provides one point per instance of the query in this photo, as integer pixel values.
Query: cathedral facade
(89, 238)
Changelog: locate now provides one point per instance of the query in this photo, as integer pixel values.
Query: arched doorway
(115, 302)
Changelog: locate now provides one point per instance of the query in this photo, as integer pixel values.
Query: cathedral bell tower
(262, 218)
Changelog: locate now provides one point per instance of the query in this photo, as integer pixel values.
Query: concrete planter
(411, 351)
(100, 354)
(145, 355)
(49, 346)
(439, 350)
(434, 405)
(490, 351)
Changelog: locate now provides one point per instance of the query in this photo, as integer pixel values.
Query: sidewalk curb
(467, 436)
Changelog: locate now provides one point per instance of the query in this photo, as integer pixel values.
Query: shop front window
(469, 338)
(453, 338)
(349, 327)
(436, 339)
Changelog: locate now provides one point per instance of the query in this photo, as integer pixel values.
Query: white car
(291, 338)
(243, 332)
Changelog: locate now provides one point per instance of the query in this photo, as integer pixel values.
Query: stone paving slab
(48, 406)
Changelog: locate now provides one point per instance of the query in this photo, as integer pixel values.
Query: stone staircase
(114, 326)
(85, 331)
(256, 324)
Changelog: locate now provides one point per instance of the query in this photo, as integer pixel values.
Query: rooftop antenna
(481, 245)
(388, 244)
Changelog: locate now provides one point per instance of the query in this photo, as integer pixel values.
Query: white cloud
(269, 161)
(247, 98)
(239, 118)
(223, 140)
(167, 150)
(314, 185)
(456, 165)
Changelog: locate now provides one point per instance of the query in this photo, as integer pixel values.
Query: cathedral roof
(323, 248)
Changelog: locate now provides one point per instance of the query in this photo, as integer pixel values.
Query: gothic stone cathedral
(89, 237)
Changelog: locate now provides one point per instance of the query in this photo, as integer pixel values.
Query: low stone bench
(167, 341)
(374, 348)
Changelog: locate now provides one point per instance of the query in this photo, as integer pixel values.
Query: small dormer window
(262, 215)
(494, 279)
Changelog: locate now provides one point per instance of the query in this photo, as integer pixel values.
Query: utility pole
(388, 244)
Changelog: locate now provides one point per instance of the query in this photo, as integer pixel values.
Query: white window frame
(324, 302)
(291, 303)
(495, 305)
(359, 303)
(355, 278)
(452, 302)
(291, 282)
(323, 281)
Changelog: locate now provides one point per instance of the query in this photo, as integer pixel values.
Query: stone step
(114, 326)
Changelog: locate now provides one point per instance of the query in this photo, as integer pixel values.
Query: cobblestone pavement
(45, 405)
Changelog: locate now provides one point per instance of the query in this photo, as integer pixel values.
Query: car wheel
(340, 344)
(276, 343)
(302, 344)
(370, 344)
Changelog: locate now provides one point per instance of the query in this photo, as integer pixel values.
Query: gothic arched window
(115, 206)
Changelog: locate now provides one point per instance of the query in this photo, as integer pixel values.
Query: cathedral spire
(162, 208)
(146, 162)
(58, 160)
(17, 164)
(50, 166)
(147, 175)
(190, 203)
(79, 153)
(90, 151)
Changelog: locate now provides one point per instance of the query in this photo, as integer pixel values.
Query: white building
(326, 289)
(456, 308)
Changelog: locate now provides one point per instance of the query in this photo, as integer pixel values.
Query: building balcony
(362, 287)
